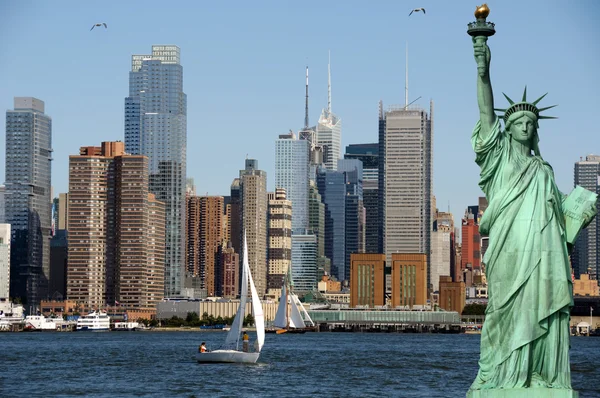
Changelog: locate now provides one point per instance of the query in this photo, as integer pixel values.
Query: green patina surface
(524, 393)
(525, 338)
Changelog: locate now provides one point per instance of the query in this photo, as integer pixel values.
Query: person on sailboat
(246, 340)
(202, 349)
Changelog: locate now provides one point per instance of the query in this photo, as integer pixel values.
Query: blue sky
(244, 75)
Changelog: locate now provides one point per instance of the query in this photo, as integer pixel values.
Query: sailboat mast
(287, 307)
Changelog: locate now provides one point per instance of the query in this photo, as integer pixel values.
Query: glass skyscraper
(304, 262)
(292, 157)
(355, 211)
(332, 187)
(28, 198)
(368, 154)
(156, 126)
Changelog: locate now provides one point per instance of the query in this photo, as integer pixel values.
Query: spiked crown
(524, 106)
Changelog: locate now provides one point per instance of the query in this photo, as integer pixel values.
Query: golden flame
(482, 11)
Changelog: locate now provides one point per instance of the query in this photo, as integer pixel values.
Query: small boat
(288, 318)
(230, 351)
(94, 321)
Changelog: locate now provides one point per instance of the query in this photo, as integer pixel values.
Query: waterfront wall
(168, 309)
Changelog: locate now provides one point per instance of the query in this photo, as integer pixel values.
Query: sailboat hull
(227, 356)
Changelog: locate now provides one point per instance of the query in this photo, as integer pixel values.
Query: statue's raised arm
(485, 96)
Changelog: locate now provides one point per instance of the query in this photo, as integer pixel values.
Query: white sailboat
(230, 351)
(289, 312)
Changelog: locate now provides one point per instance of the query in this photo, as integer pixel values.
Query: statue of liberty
(525, 337)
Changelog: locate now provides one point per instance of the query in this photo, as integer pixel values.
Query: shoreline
(191, 329)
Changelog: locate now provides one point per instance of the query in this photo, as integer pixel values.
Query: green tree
(191, 318)
(474, 309)
(249, 320)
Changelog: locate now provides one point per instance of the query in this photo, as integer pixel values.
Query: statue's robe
(525, 336)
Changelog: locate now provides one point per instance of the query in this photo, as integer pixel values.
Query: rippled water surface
(120, 364)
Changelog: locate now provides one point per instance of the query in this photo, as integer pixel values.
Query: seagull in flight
(417, 10)
(99, 24)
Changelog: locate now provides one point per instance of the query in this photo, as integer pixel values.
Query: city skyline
(220, 81)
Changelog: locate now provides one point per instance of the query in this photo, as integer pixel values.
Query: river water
(162, 364)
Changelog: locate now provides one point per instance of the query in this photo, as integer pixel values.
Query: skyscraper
(292, 157)
(471, 241)
(329, 132)
(304, 262)
(156, 126)
(280, 241)
(4, 261)
(368, 154)
(355, 211)
(586, 253)
(253, 188)
(2, 201)
(28, 198)
(234, 216)
(441, 242)
(192, 236)
(116, 233)
(405, 180)
(332, 187)
(316, 226)
(57, 286)
(228, 271)
(211, 237)
(204, 235)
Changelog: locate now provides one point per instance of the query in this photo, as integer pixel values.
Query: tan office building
(116, 230)
(280, 241)
(453, 295)
(367, 280)
(253, 187)
(409, 279)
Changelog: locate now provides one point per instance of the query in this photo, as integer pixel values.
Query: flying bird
(417, 10)
(99, 24)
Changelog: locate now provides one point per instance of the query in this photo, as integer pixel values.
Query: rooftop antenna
(329, 83)
(306, 105)
(406, 81)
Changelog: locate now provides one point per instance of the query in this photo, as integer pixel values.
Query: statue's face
(523, 129)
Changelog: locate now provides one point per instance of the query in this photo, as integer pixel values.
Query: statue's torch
(481, 30)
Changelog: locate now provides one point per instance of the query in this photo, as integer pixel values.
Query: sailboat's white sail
(281, 315)
(259, 316)
(307, 318)
(233, 336)
(295, 316)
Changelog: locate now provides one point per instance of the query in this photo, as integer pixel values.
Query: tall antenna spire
(306, 106)
(406, 80)
(329, 83)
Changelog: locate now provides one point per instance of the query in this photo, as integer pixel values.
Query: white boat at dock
(39, 323)
(11, 315)
(94, 321)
